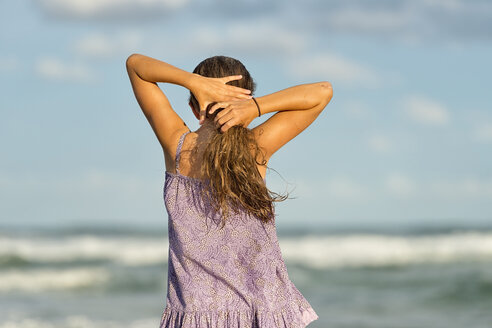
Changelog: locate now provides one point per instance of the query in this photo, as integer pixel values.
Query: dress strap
(178, 150)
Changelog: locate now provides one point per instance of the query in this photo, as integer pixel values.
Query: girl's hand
(239, 112)
(208, 90)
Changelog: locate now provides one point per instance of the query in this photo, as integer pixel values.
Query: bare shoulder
(170, 154)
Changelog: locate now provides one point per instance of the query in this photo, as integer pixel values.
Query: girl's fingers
(202, 115)
(236, 93)
(228, 124)
(222, 122)
(216, 106)
(233, 96)
(231, 78)
(242, 90)
(219, 116)
(234, 89)
(222, 117)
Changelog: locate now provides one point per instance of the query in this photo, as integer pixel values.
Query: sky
(405, 140)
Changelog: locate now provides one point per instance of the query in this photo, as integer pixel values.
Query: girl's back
(224, 277)
(192, 150)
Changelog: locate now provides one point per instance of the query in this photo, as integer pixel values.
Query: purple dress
(233, 277)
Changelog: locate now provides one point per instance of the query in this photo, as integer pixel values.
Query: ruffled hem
(174, 318)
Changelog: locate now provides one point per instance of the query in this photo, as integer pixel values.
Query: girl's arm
(297, 107)
(144, 73)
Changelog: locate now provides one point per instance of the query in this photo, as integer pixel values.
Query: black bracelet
(259, 113)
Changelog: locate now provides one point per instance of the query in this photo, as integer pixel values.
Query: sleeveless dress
(232, 277)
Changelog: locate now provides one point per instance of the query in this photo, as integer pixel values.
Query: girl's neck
(207, 129)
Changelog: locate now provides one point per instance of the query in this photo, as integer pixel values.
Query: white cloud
(356, 109)
(8, 63)
(334, 68)
(54, 69)
(337, 187)
(483, 133)
(263, 37)
(110, 9)
(344, 188)
(358, 18)
(426, 111)
(100, 45)
(91, 181)
(91, 194)
(411, 21)
(394, 185)
(400, 185)
(379, 143)
(452, 5)
(469, 187)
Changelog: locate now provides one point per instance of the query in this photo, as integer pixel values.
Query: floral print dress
(234, 277)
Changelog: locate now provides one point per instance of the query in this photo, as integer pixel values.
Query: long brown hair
(230, 159)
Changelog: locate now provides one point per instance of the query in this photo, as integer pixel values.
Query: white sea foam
(126, 250)
(50, 279)
(330, 251)
(383, 250)
(76, 322)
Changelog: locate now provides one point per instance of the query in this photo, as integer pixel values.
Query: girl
(225, 265)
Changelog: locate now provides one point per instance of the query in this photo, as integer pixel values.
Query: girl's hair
(230, 159)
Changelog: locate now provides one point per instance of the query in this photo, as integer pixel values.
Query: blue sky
(407, 137)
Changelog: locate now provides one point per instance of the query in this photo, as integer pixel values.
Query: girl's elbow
(325, 92)
(130, 61)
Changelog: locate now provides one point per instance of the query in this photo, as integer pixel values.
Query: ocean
(92, 277)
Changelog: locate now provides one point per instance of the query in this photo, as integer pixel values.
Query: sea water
(106, 277)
